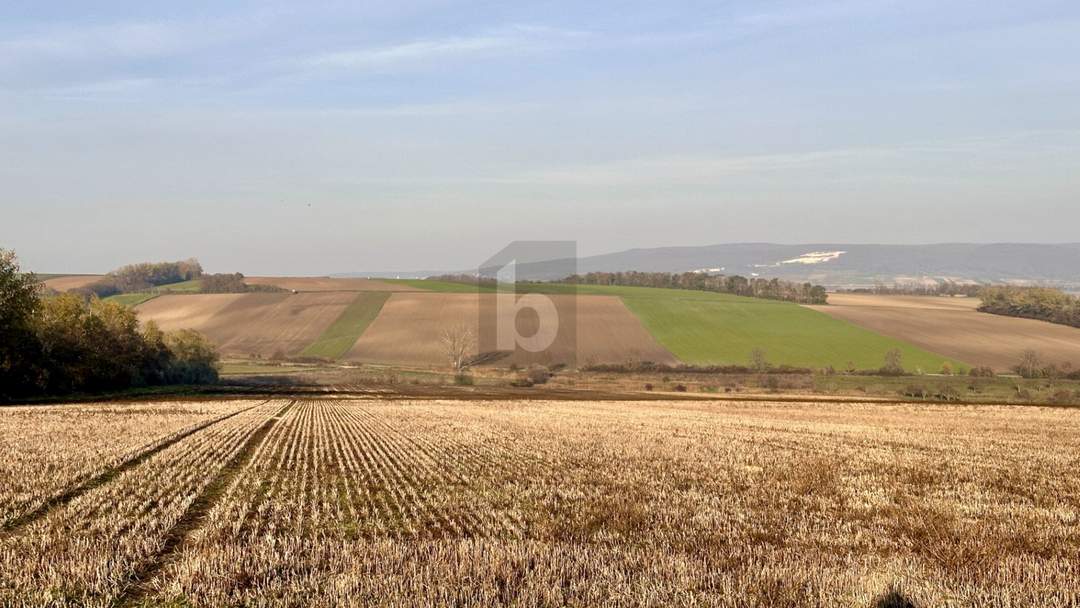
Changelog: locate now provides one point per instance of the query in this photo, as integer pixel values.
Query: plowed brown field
(409, 327)
(326, 284)
(952, 327)
(252, 323)
(73, 282)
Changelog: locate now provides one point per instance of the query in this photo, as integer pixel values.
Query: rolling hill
(832, 264)
(401, 324)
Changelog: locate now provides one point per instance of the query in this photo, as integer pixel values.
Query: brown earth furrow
(410, 325)
(952, 327)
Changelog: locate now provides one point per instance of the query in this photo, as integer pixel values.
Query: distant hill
(840, 265)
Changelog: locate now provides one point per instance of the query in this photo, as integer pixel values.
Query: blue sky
(302, 138)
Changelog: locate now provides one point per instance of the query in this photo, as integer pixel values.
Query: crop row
(86, 552)
(391, 503)
(399, 503)
(47, 450)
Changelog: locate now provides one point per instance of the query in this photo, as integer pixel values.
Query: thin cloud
(517, 38)
(994, 150)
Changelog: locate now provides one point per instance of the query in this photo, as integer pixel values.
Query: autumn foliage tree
(63, 344)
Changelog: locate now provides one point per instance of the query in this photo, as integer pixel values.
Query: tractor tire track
(16, 525)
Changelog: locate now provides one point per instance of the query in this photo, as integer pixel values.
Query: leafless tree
(459, 341)
(758, 360)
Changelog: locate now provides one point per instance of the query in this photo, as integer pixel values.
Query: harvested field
(95, 438)
(71, 282)
(953, 328)
(253, 323)
(339, 502)
(408, 331)
(96, 542)
(327, 284)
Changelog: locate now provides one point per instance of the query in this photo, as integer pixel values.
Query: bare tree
(1031, 365)
(758, 360)
(894, 363)
(459, 341)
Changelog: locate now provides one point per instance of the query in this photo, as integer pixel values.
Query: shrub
(894, 363)
(771, 383)
(981, 372)
(463, 379)
(680, 388)
(538, 374)
(915, 391)
(1064, 397)
(948, 392)
(648, 387)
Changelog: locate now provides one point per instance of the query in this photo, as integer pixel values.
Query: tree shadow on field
(489, 357)
(894, 599)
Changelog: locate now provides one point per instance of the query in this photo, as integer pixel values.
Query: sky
(315, 138)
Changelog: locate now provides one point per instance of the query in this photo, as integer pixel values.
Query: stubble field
(361, 502)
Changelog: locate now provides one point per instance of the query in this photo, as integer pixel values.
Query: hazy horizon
(271, 139)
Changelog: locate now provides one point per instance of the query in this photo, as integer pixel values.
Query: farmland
(131, 299)
(95, 440)
(327, 284)
(73, 281)
(710, 328)
(952, 327)
(409, 327)
(339, 337)
(261, 323)
(365, 501)
(342, 319)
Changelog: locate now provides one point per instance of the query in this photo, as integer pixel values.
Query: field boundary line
(16, 525)
(193, 518)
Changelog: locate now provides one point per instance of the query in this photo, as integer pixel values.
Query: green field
(711, 328)
(131, 299)
(439, 286)
(192, 286)
(346, 330)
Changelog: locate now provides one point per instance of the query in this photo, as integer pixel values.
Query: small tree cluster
(1032, 365)
(1039, 303)
(142, 276)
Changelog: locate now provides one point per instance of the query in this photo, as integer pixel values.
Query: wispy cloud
(995, 150)
(81, 41)
(804, 13)
(511, 39)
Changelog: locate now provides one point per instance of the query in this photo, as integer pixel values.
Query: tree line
(1040, 303)
(142, 276)
(62, 344)
(232, 283)
(946, 288)
(769, 289)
